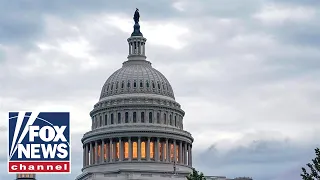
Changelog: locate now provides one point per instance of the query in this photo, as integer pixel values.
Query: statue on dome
(136, 16)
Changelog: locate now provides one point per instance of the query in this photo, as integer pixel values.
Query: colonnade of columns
(137, 47)
(137, 149)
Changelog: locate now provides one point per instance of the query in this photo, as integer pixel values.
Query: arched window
(147, 84)
(134, 117)
(141, 84)
(175, 121)
(106, 120)
(158, 85)
(153, 86)
(170, 119)
(119, 118)
(127, 117)
(150, 117)
(122, 85)
(100, 120)
(158, 118)
(165, 118)
(111, 118)
(111, 86)
(128, 84)
(134, 84)
(117, 85)
(142, 117)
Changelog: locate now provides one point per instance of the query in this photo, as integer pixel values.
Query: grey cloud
(257, 159)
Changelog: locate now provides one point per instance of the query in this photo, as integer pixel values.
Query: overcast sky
(250, 83)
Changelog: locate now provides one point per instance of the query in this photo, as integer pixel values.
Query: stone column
(163, 151)
(87, 155)
(102, 151)
(174, 151)
(114, 151)
(130, 149)
(190, 155)
(180, 152)
(91, 154)
(84, 156)
(95, 152)
(185, 154)
(110, 151)
(148, 149)
(139, 149)
(157, 151)
(167, 150)
(120, 150)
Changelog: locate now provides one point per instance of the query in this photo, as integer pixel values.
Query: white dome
(137, 77)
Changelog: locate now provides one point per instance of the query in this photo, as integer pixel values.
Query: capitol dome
(136, 125)
(137, 77)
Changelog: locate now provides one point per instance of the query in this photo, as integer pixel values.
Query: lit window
(171, 152)
(143, 149)
(117, 151)
(126, 150)
(135, 150)
(151, 150)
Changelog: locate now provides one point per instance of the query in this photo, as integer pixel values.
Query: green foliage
(195, 175)
(314, 167)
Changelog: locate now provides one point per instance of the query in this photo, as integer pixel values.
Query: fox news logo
(39, 142)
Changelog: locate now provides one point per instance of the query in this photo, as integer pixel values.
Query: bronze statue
(136, 16)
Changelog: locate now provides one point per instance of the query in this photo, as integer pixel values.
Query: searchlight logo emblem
(39, 142)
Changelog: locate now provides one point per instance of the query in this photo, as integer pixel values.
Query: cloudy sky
(250, 83)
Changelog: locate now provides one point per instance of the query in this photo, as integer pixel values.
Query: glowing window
(135, 150)
(171, 152)
(151, 150)
(143, 149)
(160, 150)
(117, 150)
(126, 150)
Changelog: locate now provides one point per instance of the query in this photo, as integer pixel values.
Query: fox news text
(39, 142)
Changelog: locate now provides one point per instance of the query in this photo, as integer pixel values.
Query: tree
(195, 175)
(314, 168)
